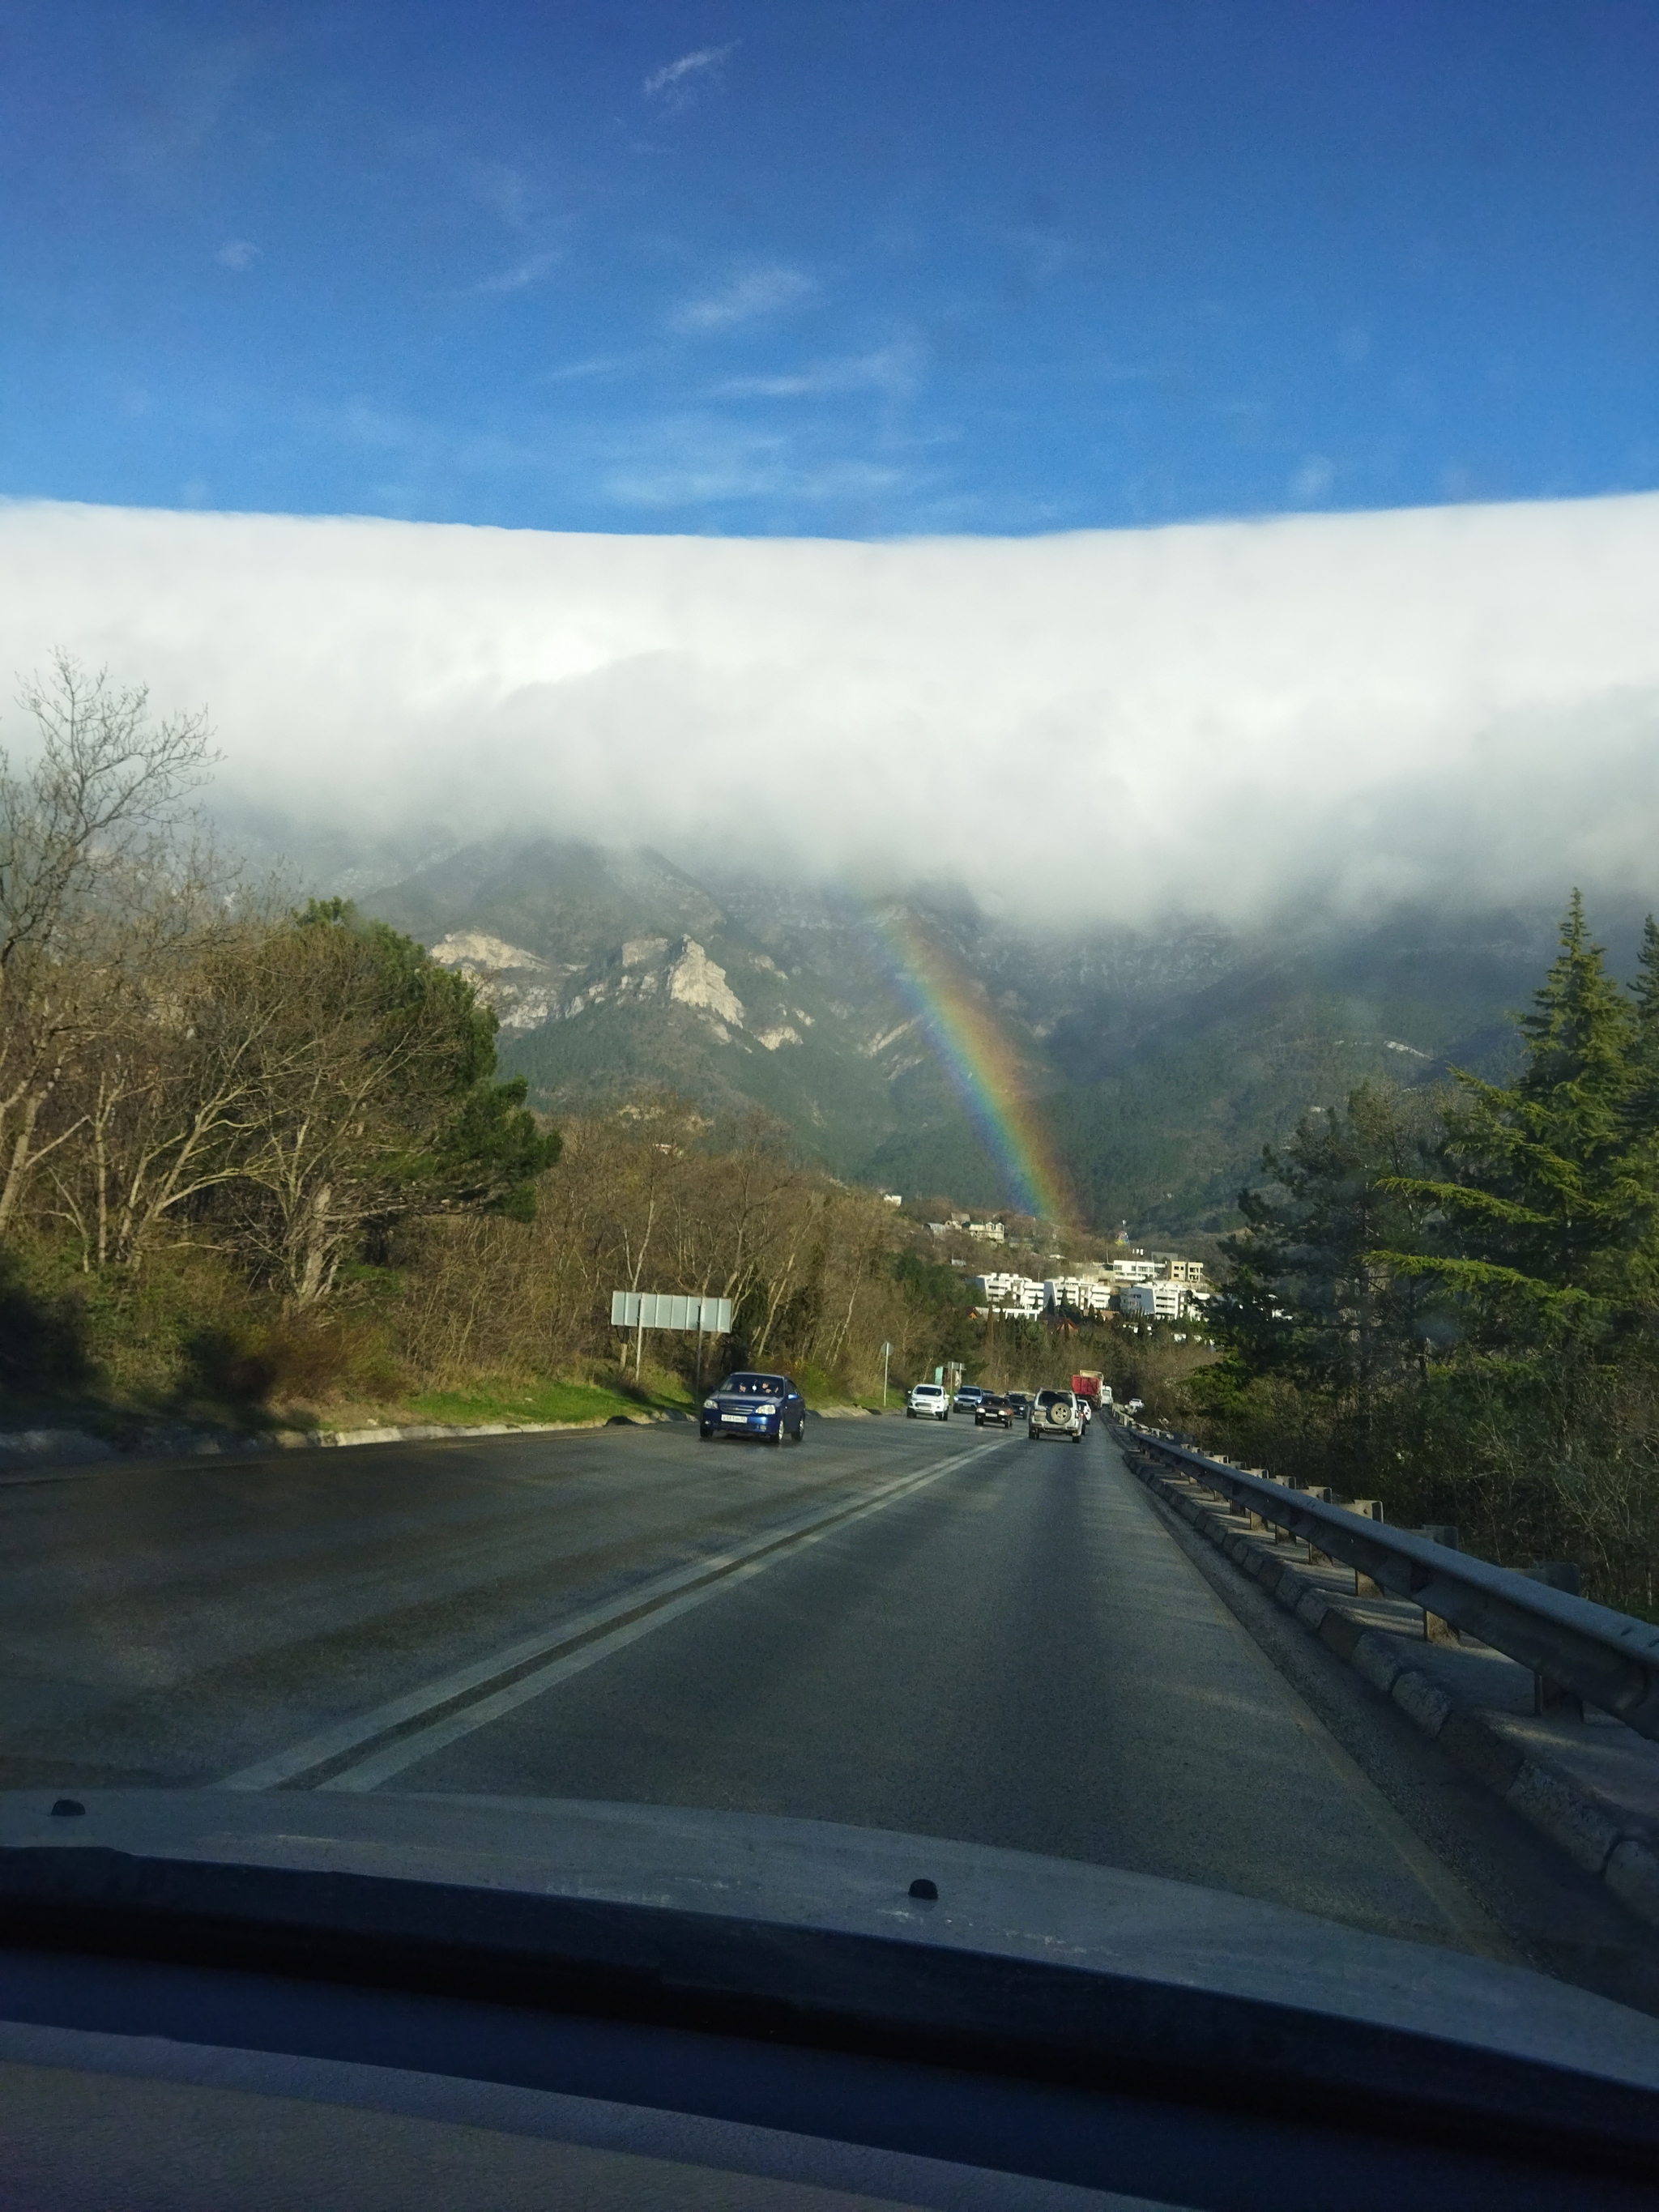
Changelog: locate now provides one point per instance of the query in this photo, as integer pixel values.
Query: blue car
(746, 1405)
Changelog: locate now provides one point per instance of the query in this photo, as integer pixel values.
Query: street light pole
(886, 1354)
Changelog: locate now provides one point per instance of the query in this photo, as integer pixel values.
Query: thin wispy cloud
(521, 275)
(678, 80)
(237, 253)
(767, 291)
(508, 192)
(895, 370)
(1313, 480)
(583, 372)
(750, 471)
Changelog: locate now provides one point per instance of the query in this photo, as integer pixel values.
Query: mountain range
(1160, 1057)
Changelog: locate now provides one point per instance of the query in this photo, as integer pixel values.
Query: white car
(929, 1401)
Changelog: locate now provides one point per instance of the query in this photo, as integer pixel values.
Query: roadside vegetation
(1450, 1301)
(255, 1164)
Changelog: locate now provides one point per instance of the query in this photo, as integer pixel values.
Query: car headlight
(766, 1406)
(711, 1404)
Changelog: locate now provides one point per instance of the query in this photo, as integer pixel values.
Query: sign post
(643, 1309)
(886, 1354)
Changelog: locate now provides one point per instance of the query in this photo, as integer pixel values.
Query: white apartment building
(1011, 1294)
(1083, 1294)
(1132, 1270)
(1161, 1301)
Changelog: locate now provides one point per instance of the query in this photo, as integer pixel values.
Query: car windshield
(532, 539)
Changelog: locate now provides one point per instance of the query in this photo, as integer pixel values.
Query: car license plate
(741, 1420)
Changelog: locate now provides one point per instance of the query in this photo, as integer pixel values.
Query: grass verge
(486, 1401)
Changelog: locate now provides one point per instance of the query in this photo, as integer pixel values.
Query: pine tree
(1306, 1297)
(1548, 1219)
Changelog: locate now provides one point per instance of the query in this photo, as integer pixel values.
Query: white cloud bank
(1461, 703)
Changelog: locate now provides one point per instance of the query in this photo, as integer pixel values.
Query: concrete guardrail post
(1319, 1490)
(1434, 1630)
(1369, 1508)
(1549, 1696)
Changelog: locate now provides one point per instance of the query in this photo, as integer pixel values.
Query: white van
(928, 1400)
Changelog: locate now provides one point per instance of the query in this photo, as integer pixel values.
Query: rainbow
(983, 1066)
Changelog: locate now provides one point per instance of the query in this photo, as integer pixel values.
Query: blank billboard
(664, 1310)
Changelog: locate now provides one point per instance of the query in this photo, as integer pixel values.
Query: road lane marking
(346, 1756)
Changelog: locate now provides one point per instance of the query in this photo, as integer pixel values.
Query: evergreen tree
(1644, 993)
(1306, 1295)
(1545, 1219)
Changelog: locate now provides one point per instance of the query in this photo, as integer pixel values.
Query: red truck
(1094, 1387)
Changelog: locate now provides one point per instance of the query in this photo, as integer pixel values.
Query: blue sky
(833, 269)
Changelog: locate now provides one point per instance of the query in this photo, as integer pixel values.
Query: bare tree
(97, 809)
(168, 1088)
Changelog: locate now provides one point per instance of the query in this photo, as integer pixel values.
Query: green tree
(1546, 1220)
(372, 1096)
(1305, 1293)
(940, 1325)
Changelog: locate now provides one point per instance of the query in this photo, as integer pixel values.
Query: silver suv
(1056, 1413)
(927, 1401)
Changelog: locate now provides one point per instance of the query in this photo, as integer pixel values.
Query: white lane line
(626, 1617)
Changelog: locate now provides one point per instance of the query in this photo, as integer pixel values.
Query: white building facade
(1011, 1294)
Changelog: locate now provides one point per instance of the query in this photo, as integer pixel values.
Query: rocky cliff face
(522, 990)
(1163, 1060)
(528, 991)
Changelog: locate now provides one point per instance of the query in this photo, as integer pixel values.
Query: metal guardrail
(1609, 1659)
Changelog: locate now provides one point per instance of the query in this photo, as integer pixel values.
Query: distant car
(927, 1401)
(747, 1405)
(967, 1398)
(1021, 1402)
(991, 1407)
(1132, 1406)
(1056, 1413)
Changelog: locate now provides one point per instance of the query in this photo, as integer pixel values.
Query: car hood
(804, 1912)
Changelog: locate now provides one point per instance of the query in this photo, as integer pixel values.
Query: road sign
(661, 1309)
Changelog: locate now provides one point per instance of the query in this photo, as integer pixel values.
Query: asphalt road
(907, 1626)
